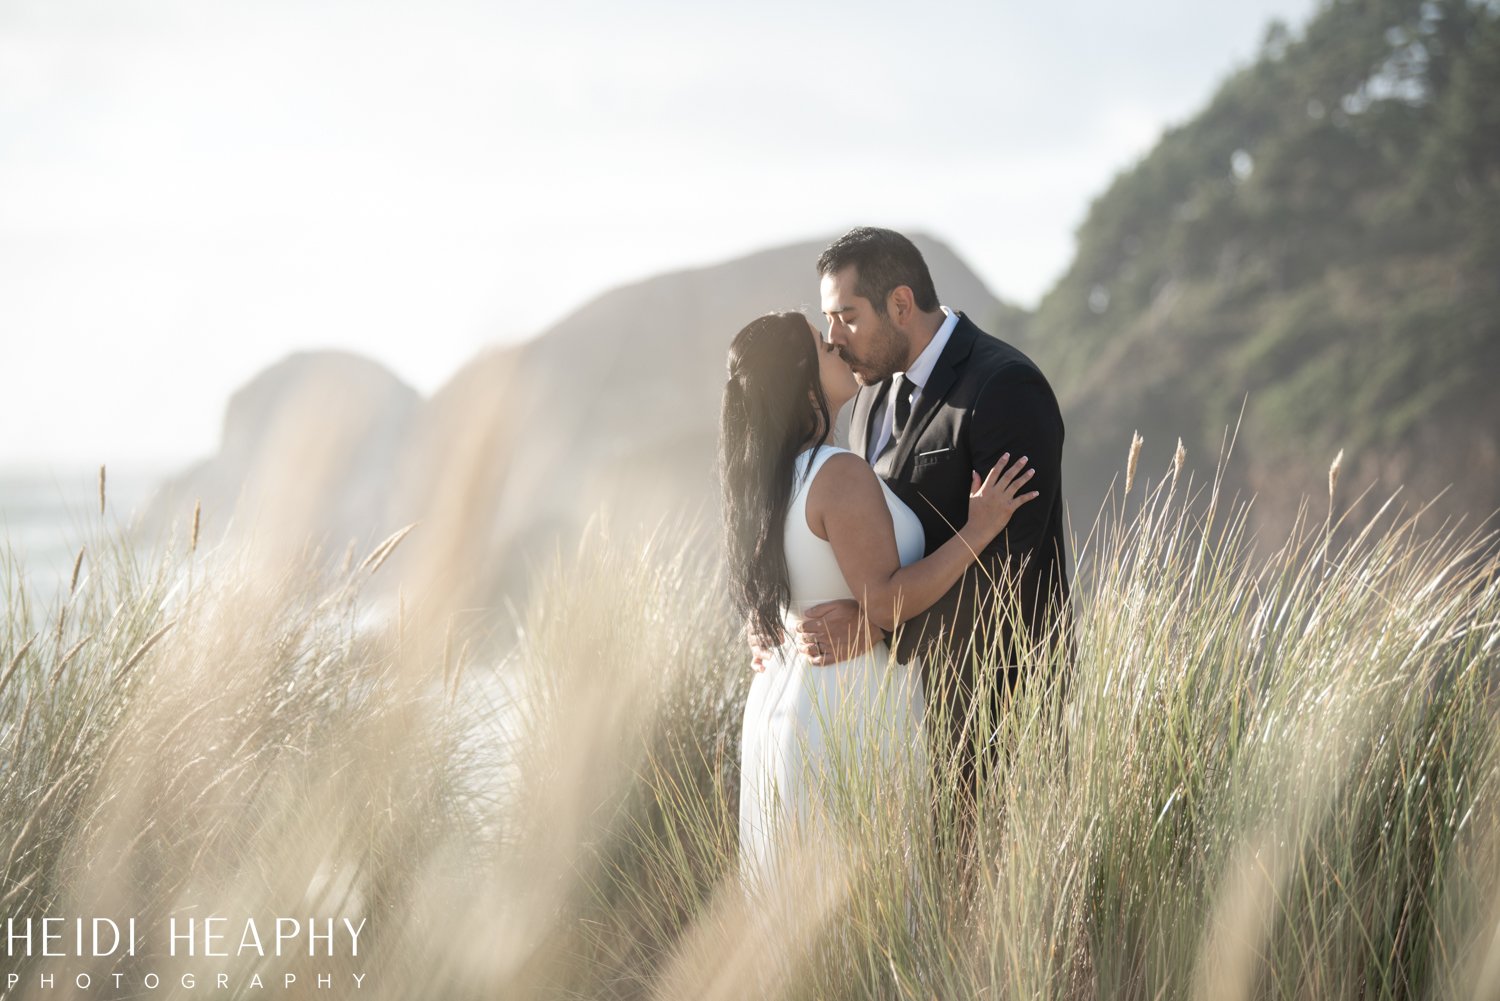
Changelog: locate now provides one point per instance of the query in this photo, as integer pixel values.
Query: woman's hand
(995, 498)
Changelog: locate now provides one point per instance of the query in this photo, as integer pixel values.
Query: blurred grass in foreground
(1276, 777)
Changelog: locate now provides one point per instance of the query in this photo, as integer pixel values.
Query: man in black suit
(940, 400)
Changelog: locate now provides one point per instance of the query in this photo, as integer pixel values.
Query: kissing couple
(871, 576)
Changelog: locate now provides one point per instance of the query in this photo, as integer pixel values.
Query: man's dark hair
(883, 259)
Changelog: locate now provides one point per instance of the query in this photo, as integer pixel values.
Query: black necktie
(904, 388)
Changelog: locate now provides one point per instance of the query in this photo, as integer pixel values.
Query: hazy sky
(191, 190)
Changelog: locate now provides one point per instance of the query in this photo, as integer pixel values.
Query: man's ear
(901, 304)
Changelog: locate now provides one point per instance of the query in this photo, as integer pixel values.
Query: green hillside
(1323, 238)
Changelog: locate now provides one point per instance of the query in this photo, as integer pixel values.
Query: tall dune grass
(1272, 773)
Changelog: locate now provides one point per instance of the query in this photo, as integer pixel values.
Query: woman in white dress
(807, 522)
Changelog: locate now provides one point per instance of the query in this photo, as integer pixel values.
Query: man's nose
(837, 333)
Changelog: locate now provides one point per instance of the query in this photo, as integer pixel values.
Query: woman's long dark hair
(774, 407)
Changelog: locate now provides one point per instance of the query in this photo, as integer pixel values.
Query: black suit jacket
(984, 399)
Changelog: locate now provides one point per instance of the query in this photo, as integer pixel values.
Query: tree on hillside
(1323, 238)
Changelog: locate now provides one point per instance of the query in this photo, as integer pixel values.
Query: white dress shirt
(919, 373)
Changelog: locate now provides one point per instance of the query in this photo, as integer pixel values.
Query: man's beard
(888, 357)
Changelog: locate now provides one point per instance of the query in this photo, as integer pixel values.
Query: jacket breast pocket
(933, 457)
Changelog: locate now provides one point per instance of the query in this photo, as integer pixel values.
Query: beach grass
(1271, 773)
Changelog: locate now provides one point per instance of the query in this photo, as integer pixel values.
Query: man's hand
(835, 631)
(760, 647)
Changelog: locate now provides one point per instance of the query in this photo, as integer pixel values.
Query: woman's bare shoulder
(845, 470)
(844, 485)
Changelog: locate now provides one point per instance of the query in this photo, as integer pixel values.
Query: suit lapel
(866, 405)
(944, 374)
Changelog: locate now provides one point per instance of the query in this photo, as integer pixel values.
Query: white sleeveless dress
(807, 729)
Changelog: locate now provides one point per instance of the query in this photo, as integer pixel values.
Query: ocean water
(48, 512)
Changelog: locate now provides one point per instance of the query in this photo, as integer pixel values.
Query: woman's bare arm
(846, 506)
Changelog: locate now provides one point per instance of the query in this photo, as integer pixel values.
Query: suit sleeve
(1015, 412)
(1019, 415)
